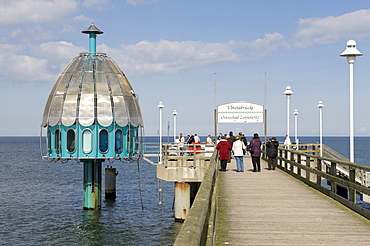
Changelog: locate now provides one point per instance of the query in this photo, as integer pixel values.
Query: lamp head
(288, 91)
(351, 49)
(174, 112)
(295, 112)
(320, 105)
(160, 105)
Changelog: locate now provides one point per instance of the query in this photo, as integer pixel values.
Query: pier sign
(240, 112)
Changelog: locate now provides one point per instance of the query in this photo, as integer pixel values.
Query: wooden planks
(273, 208)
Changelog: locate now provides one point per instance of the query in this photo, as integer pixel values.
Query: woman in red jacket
(223, 148)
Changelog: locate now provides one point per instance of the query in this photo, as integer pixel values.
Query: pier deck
(273, 208)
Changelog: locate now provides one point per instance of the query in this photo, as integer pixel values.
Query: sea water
(41, 203)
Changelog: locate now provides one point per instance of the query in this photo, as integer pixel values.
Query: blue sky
(170, 50)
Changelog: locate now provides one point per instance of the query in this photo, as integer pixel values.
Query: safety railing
(328, 176)
(199, 226)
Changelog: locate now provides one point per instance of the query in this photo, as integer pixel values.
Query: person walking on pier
(287, 142)
(209, 140)
(272, 152)
(255, 150)
(238, 147)
(223, 148)
(231, 136)
(243, 138)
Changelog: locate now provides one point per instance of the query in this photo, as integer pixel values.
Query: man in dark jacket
(272, 151)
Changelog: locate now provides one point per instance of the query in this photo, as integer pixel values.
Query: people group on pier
(240, 147)
(229, 145)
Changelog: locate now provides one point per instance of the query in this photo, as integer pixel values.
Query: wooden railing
(199, 226)
(328, 176)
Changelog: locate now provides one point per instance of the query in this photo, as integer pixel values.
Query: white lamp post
(160, 106)
(288, 92)
(351, 52)
(296, 126)
(174, 125)
(320, 106)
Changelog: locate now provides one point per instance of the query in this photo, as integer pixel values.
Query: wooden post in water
(110, 183)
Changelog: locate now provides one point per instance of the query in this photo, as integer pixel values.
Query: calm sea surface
(41, 203)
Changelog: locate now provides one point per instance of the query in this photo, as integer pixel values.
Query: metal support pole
(174, 125)
(288, 115)
(160, 106)
(92, 184)
(351, 120)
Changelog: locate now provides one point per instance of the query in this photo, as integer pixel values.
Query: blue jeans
(239, 163)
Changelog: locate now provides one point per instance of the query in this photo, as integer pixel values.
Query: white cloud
(51, 58)
(59, 54)
(95, 4)
(142, 58)
(25, 12)
(265, 46)
(169, 57)
(140, 2)
(332, 28)
(16, 67)
(162, 57)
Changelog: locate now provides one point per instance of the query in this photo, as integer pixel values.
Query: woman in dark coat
(223, 148)
(272, 151)
(255, 147)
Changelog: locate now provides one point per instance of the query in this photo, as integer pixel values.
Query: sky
(193, 55)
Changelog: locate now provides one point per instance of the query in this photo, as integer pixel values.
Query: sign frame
(240, 112)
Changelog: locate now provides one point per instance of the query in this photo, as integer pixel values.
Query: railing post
(286, 158)
(352, 192)
(333, 171)
(308, 164)
(164, 149)
(292, 159)
(299, 159)
(280, 160)
(319, 168)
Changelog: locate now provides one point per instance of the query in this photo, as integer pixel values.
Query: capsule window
(129, 141)
(103, 141)
(49, 140)
(87, 141)
(118, 142)
(71, 141)
(57, 141)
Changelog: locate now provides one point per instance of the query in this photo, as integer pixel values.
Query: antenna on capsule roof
(92, 30)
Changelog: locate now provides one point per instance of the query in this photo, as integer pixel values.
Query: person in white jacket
(238, 147)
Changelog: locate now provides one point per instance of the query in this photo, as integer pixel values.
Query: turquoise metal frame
(123, 145)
